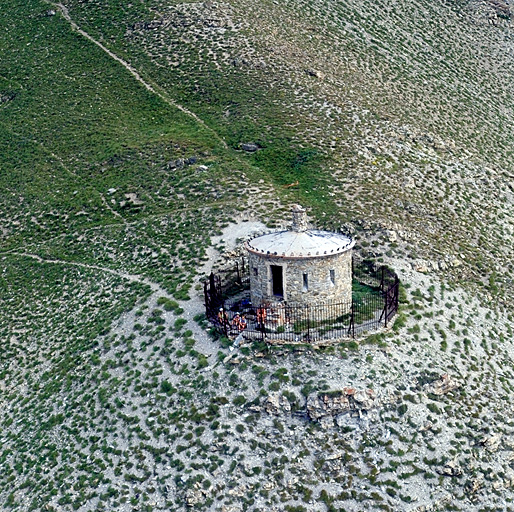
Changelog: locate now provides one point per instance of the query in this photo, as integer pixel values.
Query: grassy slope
(76, 124)
(73, 124)
(79, 125)
(349, 99)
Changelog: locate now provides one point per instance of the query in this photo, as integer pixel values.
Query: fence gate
(213, 294)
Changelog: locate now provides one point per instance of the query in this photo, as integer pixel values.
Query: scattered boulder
(428, 425)
(277, 404)
(456, 262)
(474, 485)
(180, 163)
(6, 96)
(443, 385)
(491, 442)
(509, 478)
(392, 236)
(315, 73)
(424, 266)
(333, 466)
(249, 147)
(237, 62)
(323, 407)
(194, 497)
(147, 25)
(409, 182)
(363, 399)
(133, 200)
(439, 504)
(451, 468)
(326, 422)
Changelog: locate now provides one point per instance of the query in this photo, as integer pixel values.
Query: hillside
(140, 141)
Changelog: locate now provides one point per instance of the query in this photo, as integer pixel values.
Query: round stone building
(300, 265)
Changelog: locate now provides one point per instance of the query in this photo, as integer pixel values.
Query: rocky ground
(415, 418)
(142, 142)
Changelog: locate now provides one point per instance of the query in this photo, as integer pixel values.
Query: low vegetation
(135, 138)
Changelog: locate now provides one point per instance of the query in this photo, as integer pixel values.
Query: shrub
(239, 400)
(202, 361)
(167, 387)
(402, 409)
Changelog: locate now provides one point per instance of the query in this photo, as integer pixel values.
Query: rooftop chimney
(299, 218)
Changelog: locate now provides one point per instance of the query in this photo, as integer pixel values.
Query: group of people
(265, 317)
(238, 323)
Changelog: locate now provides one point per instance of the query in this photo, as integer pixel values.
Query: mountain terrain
(142, 142)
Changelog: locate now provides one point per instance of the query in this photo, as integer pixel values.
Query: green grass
(284, 158)
(79, 125)
(94, 417)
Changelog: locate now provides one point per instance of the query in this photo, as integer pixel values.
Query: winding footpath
(191, 307)
(133, 71)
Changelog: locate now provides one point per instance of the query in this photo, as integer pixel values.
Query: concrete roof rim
(350, 243)
(251, 249)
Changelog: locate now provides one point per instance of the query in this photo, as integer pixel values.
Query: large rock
(491, 442)
(335, 403)
(277, 404)
(250, 147)
(315, 73)
(194, 497)
(451, 468)
(443, 385)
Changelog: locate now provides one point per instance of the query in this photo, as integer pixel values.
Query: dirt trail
(191, 308)
(133, 71)
(130, 277)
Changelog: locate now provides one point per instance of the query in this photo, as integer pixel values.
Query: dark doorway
(277, 278)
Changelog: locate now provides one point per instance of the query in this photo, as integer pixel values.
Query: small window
(333, 277)
(305, 283)
(255, 271)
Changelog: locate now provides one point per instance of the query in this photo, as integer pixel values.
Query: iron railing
(302, 323)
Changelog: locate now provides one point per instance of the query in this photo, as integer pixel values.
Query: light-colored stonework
(300, 265)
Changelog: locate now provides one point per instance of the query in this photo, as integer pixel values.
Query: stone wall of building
(311, 280)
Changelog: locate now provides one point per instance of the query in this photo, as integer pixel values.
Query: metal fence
(234, 315)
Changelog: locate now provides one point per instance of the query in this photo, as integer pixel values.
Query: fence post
(212, 282)
(396, 294)
(386, 309)
(351, 327)
(353, 319)
(262, 322)
(308, 323)
(239, 281)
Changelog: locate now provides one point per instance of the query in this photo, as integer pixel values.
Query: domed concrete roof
(300, 244)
